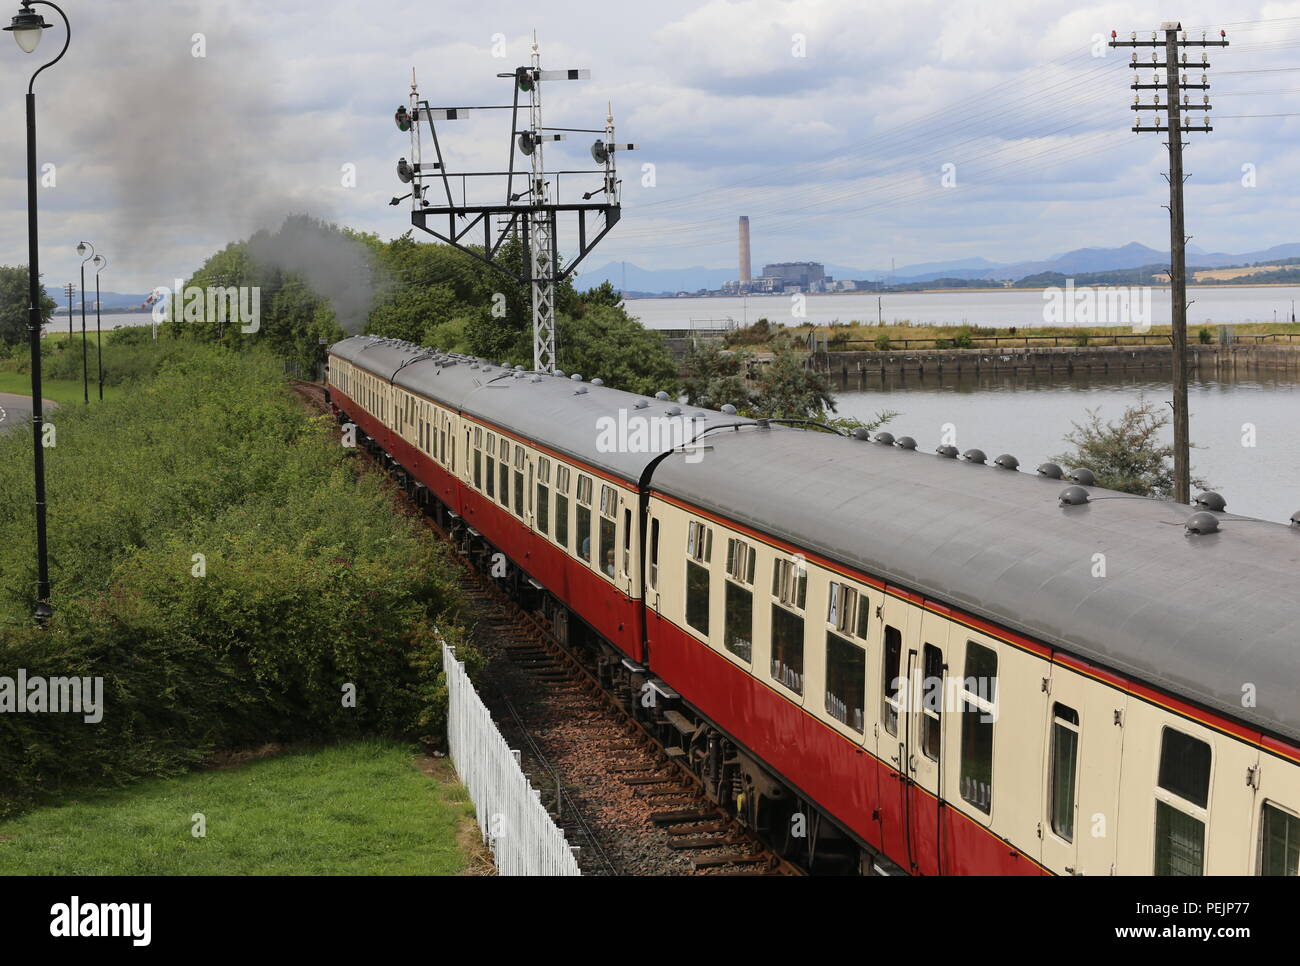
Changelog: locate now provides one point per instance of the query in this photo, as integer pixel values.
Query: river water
(1018, 307)
(1028, 417)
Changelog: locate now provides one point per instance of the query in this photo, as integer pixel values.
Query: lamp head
(26, 27)
(81, 248)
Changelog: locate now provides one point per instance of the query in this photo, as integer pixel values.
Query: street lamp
(85, 375)
(26, 28)
(101, 263)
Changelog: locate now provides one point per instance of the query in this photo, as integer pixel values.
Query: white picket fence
(516, 826)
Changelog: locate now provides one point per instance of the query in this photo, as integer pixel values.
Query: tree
(1128, 455)
(782, 389)
(14, 304)
(606, 342)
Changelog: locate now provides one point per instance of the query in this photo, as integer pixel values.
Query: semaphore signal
(530, 210)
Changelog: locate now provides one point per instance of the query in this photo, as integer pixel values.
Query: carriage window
(740, 560)
(562, 506)
(654, 552)
(864, 612)
(846, 680)
(931, 701)
(739, 631)
(627, 540)
(608, 509)
(583, 535)
(1185, 767)
(1183, 793)
(489, 452)
(543, 494)
(697, 597)
(504, 470)
(787, 648)
(519, 480)
(842, 607)
(790, 582)
(1279, 846)
(1064, 769)
(979, 693)
(889, 682)
(699, 542)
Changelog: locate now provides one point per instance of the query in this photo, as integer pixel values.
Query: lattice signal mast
(1177, 101)
(533, 212)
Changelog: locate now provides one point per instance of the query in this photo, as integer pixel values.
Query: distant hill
(1080, 261)
(109, 300)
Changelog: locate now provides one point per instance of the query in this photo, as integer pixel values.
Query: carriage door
(923, 734)
(1080, 786)
(891, 735)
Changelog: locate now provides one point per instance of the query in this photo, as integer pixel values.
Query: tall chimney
(744, 251)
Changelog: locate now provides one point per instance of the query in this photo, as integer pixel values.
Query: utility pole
(1175, 84)
(69, 290)
(529, 214)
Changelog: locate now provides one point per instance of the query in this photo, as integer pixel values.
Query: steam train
(884, 661)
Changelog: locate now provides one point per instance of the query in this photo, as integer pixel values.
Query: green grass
(360, 808)
(62, 391)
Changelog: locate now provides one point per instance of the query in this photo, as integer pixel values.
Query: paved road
(15, 410)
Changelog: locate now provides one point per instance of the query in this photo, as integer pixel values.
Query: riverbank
(857, 370)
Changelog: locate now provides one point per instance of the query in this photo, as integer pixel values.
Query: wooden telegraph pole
(1175, 84)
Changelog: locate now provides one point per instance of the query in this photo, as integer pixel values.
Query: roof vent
(974, 456)
(598, 382)
(1007, 462)
(947, 452)
(1295, 519)
(519, 374)
(1083, 476)
(1209, 500)
(661, 395)
(1202, 522)
(675, 411)
(729, 409)
(1074, 496)
(519, 368)
(886, 439)
(558, 372)
(581, 390)
(576, 377)
(641, 404)
(906, 442)
(475, 366)
(862, 433)
(535, 379)
(1051, 471)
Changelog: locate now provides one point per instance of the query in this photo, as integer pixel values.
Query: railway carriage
(882, 660)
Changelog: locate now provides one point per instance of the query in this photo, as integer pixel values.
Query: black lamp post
(101, 263)
(85, 365)
(26, 28)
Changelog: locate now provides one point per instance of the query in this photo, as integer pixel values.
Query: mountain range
(110, 301)
(633, 278)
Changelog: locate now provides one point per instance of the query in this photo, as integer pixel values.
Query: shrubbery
(312, 582)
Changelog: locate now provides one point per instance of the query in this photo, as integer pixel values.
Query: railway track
(629, 807)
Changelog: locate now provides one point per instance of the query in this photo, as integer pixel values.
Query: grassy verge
(359, 808)
(63, 391)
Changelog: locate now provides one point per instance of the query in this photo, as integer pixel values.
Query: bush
(883, 343)
(1205, 336)
(311, 582)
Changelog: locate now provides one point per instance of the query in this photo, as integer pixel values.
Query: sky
(904, 130)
